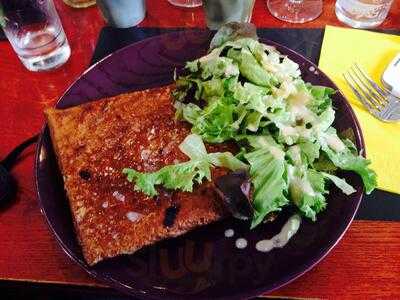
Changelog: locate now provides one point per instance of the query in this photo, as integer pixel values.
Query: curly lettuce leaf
(194, 148)
(181, 176)
(251, 69)
(310, 150)
(321, 98)
(307, 188)
(343, 156)
(233, 31)
(184, 175)
(267, 168)
(348, 161)
(340, 183)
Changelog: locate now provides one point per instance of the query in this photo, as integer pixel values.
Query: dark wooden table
(366, 262)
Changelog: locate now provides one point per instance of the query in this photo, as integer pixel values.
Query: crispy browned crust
(98, 140)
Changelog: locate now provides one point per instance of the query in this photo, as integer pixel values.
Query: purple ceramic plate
(203, 263)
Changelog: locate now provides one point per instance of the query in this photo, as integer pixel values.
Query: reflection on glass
(186, 3)
(80, 3)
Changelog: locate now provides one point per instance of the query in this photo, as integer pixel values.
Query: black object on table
(7, 182)
(2, 35)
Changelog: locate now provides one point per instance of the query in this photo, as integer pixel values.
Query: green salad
(247, 92)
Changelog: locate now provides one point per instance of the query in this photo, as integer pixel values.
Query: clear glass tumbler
(362, 13)
(123, 13)
(35, 32)
(295, 11)
(220, 12)
(186, 3)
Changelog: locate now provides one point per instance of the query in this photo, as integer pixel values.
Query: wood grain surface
(366, 263)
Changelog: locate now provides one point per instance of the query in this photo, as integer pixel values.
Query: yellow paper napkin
(341, 48)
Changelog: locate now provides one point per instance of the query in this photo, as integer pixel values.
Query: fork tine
(390, 110)
(362, 91)
(360, 97)
(383, 92)
(378, 98)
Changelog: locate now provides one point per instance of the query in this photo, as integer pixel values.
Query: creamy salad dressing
(133, 216)
(288, 130)
(298, 106)
(241, 243)
(229, 233)
(335, 143)
(212, 55)
(298, 109)
(303, 185)
(301, 112)
(282, 238)
(231, 70)
(296, 152)
(288, 230)
(277, 153)
(304, 132)
(295, 132)
(286, 89)
(297, 184)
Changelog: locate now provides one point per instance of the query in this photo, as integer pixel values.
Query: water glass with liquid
(123, 13)
(362, 13)
(220, 12)
(35, 32)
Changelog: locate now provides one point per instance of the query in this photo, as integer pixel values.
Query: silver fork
(378, 101)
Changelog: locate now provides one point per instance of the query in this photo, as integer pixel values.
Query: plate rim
(288, 278)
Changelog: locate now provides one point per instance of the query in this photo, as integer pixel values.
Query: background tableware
(373, 51)
(378, 101)
(219, 12)
(167, 270)
(186, 3)
(295, 11)
(35, 32)
(362, 13)
(391, 76)
(123, 13)
(80, 3)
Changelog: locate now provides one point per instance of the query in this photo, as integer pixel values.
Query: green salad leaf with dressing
(247, 92)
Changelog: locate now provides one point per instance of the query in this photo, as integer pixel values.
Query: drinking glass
(35, 32)
(123, 13)
(186, 3)
(362, 13)
(295, 11)
(219, 12)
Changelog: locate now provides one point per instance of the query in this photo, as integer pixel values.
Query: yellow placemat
(343, 47)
